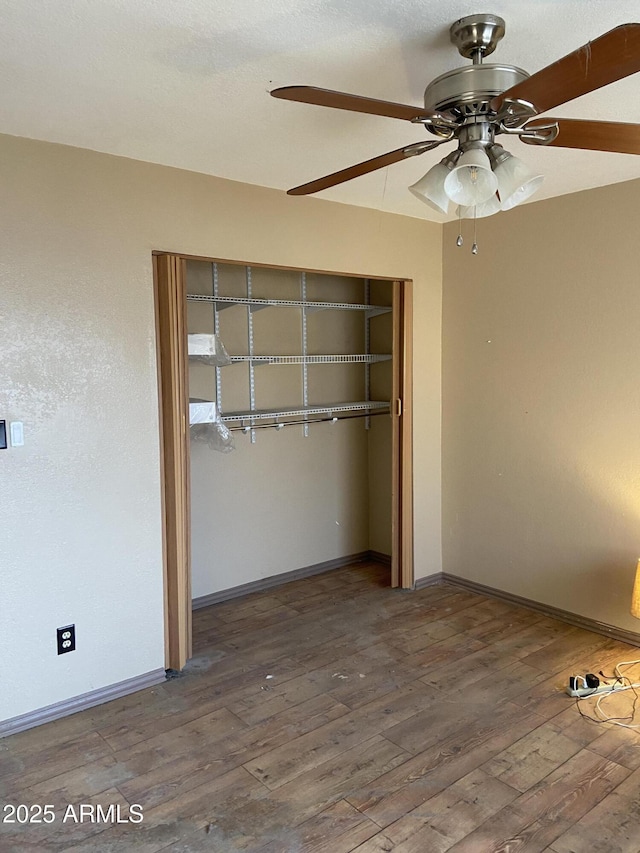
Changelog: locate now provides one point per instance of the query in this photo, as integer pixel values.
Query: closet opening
(285, 430)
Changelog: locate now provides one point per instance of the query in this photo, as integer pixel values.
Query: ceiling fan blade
(354, 103)
(620, 137)
(364, 168)
(610, 57)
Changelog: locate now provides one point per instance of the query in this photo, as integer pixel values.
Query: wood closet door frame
(402, 437)
(173, 390)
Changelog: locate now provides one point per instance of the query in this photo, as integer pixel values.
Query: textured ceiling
(185, 83)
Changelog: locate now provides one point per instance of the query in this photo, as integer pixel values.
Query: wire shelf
(325, 409)
(253, 419)
(365, 358)
(310, 305)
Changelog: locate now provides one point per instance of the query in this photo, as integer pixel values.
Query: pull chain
(459, 241)
(474, 248)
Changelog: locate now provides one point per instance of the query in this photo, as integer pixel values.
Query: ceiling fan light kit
(473, 104)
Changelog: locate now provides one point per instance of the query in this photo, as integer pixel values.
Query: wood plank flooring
(334, 714)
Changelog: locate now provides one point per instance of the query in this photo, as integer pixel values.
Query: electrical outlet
(66, 639)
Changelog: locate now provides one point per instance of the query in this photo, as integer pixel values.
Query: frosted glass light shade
(516, 182)
(487, 208)
(430, 188)
(471, 181)
(635, 597)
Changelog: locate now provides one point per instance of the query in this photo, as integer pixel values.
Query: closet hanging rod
(280, 424)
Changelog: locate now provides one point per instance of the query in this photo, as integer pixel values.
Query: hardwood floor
(334, 714)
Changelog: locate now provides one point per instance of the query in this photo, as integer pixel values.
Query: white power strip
(581, 692)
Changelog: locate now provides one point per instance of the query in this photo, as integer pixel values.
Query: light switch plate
(17, 433)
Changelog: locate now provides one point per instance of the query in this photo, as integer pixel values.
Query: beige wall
(541, 417)
(541, 407)
(81, 540)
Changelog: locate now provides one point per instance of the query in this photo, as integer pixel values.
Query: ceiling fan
(474, 104)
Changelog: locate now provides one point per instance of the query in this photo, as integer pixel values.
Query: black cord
(635, 702)
(596, 719)
(617, 679)
(586, 716)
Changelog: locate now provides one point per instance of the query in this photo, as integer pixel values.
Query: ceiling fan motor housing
(468, 91)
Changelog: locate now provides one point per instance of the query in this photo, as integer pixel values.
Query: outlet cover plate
(66, 639)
